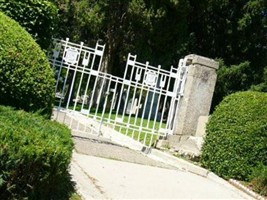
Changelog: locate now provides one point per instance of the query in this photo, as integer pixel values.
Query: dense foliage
(128, 26)
(34, 156)
(26, 79)
(236, 141)
(234, 31)
(38, 17)
(231, 79)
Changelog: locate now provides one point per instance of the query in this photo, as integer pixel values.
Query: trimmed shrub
(38, 17)
(34, 156)
(236, 138)
(26, 78)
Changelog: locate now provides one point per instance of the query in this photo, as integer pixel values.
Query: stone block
(191, 146)
(162, 144)
(201, 126)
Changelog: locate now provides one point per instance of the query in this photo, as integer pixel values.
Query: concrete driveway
(108, 171)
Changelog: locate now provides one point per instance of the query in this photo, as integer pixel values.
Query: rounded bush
(38, 17)
(26, 78)
(236, 140)
(34, 156)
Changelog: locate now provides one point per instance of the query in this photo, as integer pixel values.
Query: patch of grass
(190, 158)
(258, 179)
(251, 185)
(137, 128)
(75, 196)
(134, 127)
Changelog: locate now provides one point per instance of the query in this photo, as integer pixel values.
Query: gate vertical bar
(74, 76)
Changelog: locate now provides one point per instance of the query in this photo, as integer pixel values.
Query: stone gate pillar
(196, 101)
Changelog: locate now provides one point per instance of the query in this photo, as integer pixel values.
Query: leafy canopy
(38, 17)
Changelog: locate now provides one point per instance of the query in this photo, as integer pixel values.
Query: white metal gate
(142, 104)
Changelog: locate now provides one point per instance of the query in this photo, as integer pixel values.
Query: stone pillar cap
(196, 59)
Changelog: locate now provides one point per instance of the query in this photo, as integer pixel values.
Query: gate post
(196, 101)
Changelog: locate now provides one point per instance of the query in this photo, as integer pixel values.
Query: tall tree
(155, 30)
(169, 37)
(233, 30)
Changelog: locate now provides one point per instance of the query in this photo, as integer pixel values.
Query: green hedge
(26, 78)
(236, 141)
(38, 17)
(34, 156)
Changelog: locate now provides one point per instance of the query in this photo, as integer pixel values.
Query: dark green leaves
(38, 17)
(26, 79)
(236, 138)
(34, 156)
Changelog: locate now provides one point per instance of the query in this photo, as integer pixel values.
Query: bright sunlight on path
(105, 170)
(112, 179)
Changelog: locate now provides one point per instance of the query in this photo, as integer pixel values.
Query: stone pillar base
(186, 144)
